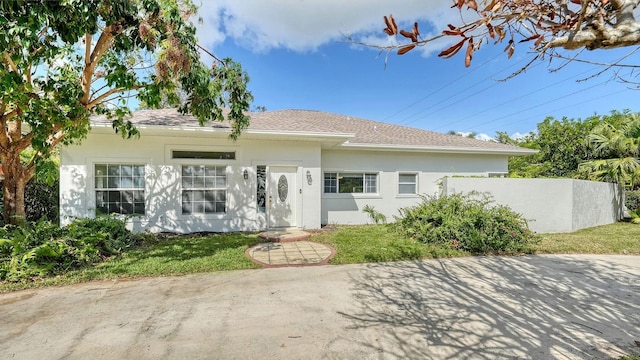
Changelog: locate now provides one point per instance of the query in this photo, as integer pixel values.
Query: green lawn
(618, 238)
(180, 255)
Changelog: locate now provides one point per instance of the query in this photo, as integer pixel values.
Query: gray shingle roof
(367, 132)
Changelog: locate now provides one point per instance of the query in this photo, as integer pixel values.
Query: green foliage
(465, 222)
(43, 248)
(41, 201)
(632, 200)
(616, 146)
(375, 216)
(64, 61)
(561, 146)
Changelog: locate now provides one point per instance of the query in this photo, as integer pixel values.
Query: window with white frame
(119, 189)
(407, 184)
(350, 183)
(204, 189)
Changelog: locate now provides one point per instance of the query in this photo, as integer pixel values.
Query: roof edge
(225, 131)
(440, 149)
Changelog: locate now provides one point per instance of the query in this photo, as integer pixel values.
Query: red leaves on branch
(392, 28)
(452, 50)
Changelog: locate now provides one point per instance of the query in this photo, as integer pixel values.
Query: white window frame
(105, 186)
(213, 188)
(414, 183)
(341, 174)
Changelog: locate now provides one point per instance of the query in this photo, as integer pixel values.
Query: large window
(407, 184)
(204, 189)
(350, 183)
(119, 189)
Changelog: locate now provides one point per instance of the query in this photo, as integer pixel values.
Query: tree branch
(10, 62)
(108, 93)
(103, 43)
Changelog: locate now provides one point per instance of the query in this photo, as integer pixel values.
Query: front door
(281, 202)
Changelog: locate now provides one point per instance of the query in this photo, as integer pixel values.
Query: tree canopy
(62, 61)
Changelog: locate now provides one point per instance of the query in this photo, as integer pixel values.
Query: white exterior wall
(550, 205)
(430, 168)
(163, 187)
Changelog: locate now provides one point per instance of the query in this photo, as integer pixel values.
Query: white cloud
(305, 25)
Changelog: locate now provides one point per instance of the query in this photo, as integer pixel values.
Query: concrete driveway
(537, 307)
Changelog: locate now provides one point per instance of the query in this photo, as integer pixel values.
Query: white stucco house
(290, 168)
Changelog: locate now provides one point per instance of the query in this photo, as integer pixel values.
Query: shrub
(632, 200)
(43, 248)
(470, 223)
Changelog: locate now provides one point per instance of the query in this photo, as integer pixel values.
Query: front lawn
(618, 238)
(179, 255)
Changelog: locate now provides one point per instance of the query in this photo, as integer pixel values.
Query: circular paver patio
(298, 253)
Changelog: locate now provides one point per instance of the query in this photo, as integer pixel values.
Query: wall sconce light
(245, 174)
(309, 179)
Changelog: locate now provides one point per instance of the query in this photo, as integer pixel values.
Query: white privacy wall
(162, 189)
(549, 205)
(431, 168)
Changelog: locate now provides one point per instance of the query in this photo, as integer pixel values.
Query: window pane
(350, 183)
(371, 183)
(126, 182)
(120, 179)
(330, 182)
(187, 182)
(101, 182)
(206, 200)
(198, 182)
(101, 170)
(138, 170)
(113, 169)
(407, 178)
(126, 170)
(407, 189)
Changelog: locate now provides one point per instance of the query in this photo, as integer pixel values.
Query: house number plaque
(283, 188)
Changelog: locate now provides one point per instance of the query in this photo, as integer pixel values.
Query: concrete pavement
(537, 307)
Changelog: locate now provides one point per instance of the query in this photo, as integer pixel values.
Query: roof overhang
(438, 149)
(327, 139)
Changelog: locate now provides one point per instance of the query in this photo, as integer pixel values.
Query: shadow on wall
(163, 208)
(525, 307)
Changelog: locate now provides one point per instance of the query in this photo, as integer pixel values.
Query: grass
(618, 238)
(179, 255)
(374, 243)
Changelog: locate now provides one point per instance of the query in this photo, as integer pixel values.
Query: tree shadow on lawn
(537, 307)
(178, 252)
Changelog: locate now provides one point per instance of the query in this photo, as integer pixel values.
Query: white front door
(281, 201)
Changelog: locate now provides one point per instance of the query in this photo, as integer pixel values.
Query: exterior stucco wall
(596, 203)
(162, 183)
(430, 169)
(549, 205)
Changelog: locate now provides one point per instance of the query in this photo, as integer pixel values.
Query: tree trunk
(16, 177)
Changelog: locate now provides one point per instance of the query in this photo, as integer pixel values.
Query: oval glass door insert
(283, 188)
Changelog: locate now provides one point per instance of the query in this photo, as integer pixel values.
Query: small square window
(407, 184)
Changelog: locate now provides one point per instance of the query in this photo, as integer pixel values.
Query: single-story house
(290, 168)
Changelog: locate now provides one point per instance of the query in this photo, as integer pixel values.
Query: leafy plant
(43, 248)
(470, 223)
(375, 216)
(632, 200)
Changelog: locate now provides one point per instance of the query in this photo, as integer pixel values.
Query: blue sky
(297, 57)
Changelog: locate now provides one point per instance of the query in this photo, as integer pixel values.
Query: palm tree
(616, 144)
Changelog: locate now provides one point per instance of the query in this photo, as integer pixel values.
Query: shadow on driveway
(514, 307)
